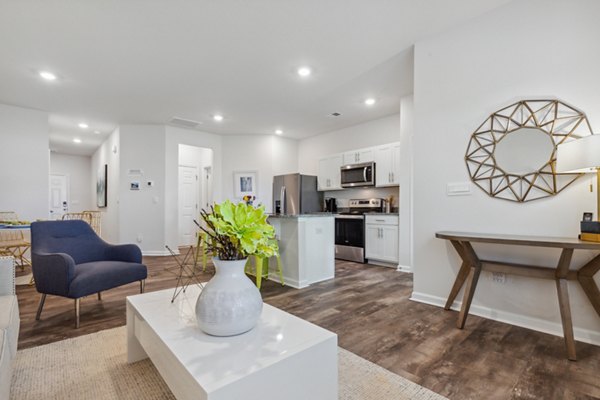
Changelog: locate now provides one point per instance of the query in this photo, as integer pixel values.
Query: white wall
(141, 212)
(379, 131)
(78, 170)
(406, 183)
(526, 49)
(268, 155)
(110, 213)
(24, 162)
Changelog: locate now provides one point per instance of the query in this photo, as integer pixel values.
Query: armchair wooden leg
(99, 296)
(77, 313)
(142, 285)
(40, 307)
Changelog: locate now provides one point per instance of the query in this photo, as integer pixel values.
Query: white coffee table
(283, 357)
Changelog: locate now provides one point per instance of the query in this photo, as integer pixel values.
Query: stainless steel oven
(350, 229)
(350, 237)
(357, 175)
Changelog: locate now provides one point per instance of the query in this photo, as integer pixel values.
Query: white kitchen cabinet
(328, 177)
(387, 165)
(381, 238)
(358, 156)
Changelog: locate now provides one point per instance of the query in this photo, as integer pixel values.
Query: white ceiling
(145, 61)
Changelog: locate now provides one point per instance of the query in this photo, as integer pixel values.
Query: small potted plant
(230, 303)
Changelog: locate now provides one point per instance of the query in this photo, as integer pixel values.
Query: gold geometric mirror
(512, 155)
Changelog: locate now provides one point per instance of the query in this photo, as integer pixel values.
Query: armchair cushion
(94, 277)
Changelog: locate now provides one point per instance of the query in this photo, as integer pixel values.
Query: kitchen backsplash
(343, 196)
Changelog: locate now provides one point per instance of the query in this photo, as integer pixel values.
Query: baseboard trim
(156, 253)
(404, 268)
(536, 324)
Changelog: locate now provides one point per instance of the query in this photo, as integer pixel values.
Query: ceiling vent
(188, 123)
(335, 114)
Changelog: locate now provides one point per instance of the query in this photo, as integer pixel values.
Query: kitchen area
(349, 211)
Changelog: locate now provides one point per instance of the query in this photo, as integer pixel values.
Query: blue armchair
(70, 260)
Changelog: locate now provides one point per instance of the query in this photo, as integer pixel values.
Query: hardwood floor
(369, 308)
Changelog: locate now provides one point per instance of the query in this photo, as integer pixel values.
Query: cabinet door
(365, 155)
(383, 166)
(322, 175)
(335, 176)
(350, 157)
(395, 170)
(373, 242)
(390, 244)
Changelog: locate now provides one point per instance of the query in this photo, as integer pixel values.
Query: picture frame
(245, 183)
(101, 187)
(588, 216)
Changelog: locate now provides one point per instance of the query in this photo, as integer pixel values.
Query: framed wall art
(245, 184)
(101, 186)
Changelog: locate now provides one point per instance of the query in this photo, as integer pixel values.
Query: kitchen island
(306, 247)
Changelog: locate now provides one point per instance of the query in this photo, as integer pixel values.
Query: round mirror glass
(524, 151)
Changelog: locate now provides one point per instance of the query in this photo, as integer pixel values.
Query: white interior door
(188, 205)
(59, 196)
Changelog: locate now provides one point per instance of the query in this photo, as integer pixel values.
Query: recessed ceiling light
(278, 132)
(49, 76)
(83, 125)
(370, 101)
(76, 140)
(304, 71)
(97, 132)
(218, 117)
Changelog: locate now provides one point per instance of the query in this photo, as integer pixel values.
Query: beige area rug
(95, 367)
(23, 280)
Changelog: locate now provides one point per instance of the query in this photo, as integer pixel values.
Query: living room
(257, 85)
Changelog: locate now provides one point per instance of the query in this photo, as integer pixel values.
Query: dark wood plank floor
(369, 308)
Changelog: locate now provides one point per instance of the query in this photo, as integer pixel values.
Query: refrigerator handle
(282, 200)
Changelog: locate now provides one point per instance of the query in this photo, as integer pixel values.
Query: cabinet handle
(380, 220)
(392, 177)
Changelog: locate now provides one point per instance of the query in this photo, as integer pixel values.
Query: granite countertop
(383, 213)
(312, 215)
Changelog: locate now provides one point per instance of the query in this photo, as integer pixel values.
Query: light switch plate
(458, 189)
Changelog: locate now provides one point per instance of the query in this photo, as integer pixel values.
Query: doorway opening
(194, 189)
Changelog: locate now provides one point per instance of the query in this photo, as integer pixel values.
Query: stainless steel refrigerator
(296, 194)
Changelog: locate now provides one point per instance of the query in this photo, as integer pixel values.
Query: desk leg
(461, 276)
(585, 276)
(562, 289)
(565, 315)
(471, 259)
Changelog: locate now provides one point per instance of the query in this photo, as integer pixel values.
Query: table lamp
(583, 156)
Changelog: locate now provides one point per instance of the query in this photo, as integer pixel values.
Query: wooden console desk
(472, 266)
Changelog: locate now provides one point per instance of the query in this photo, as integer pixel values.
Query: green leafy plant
(236, 231)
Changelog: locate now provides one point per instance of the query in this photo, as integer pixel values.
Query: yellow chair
(261, 269)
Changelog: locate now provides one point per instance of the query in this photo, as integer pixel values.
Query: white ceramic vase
(229, 304)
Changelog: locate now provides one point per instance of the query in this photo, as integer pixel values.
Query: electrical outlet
(140, 238)
(498, 277)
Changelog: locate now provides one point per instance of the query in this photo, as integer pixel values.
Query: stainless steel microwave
(356, 175)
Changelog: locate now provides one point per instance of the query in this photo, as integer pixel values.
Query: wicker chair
(13, 243)
(8, 216)
(93, 218)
